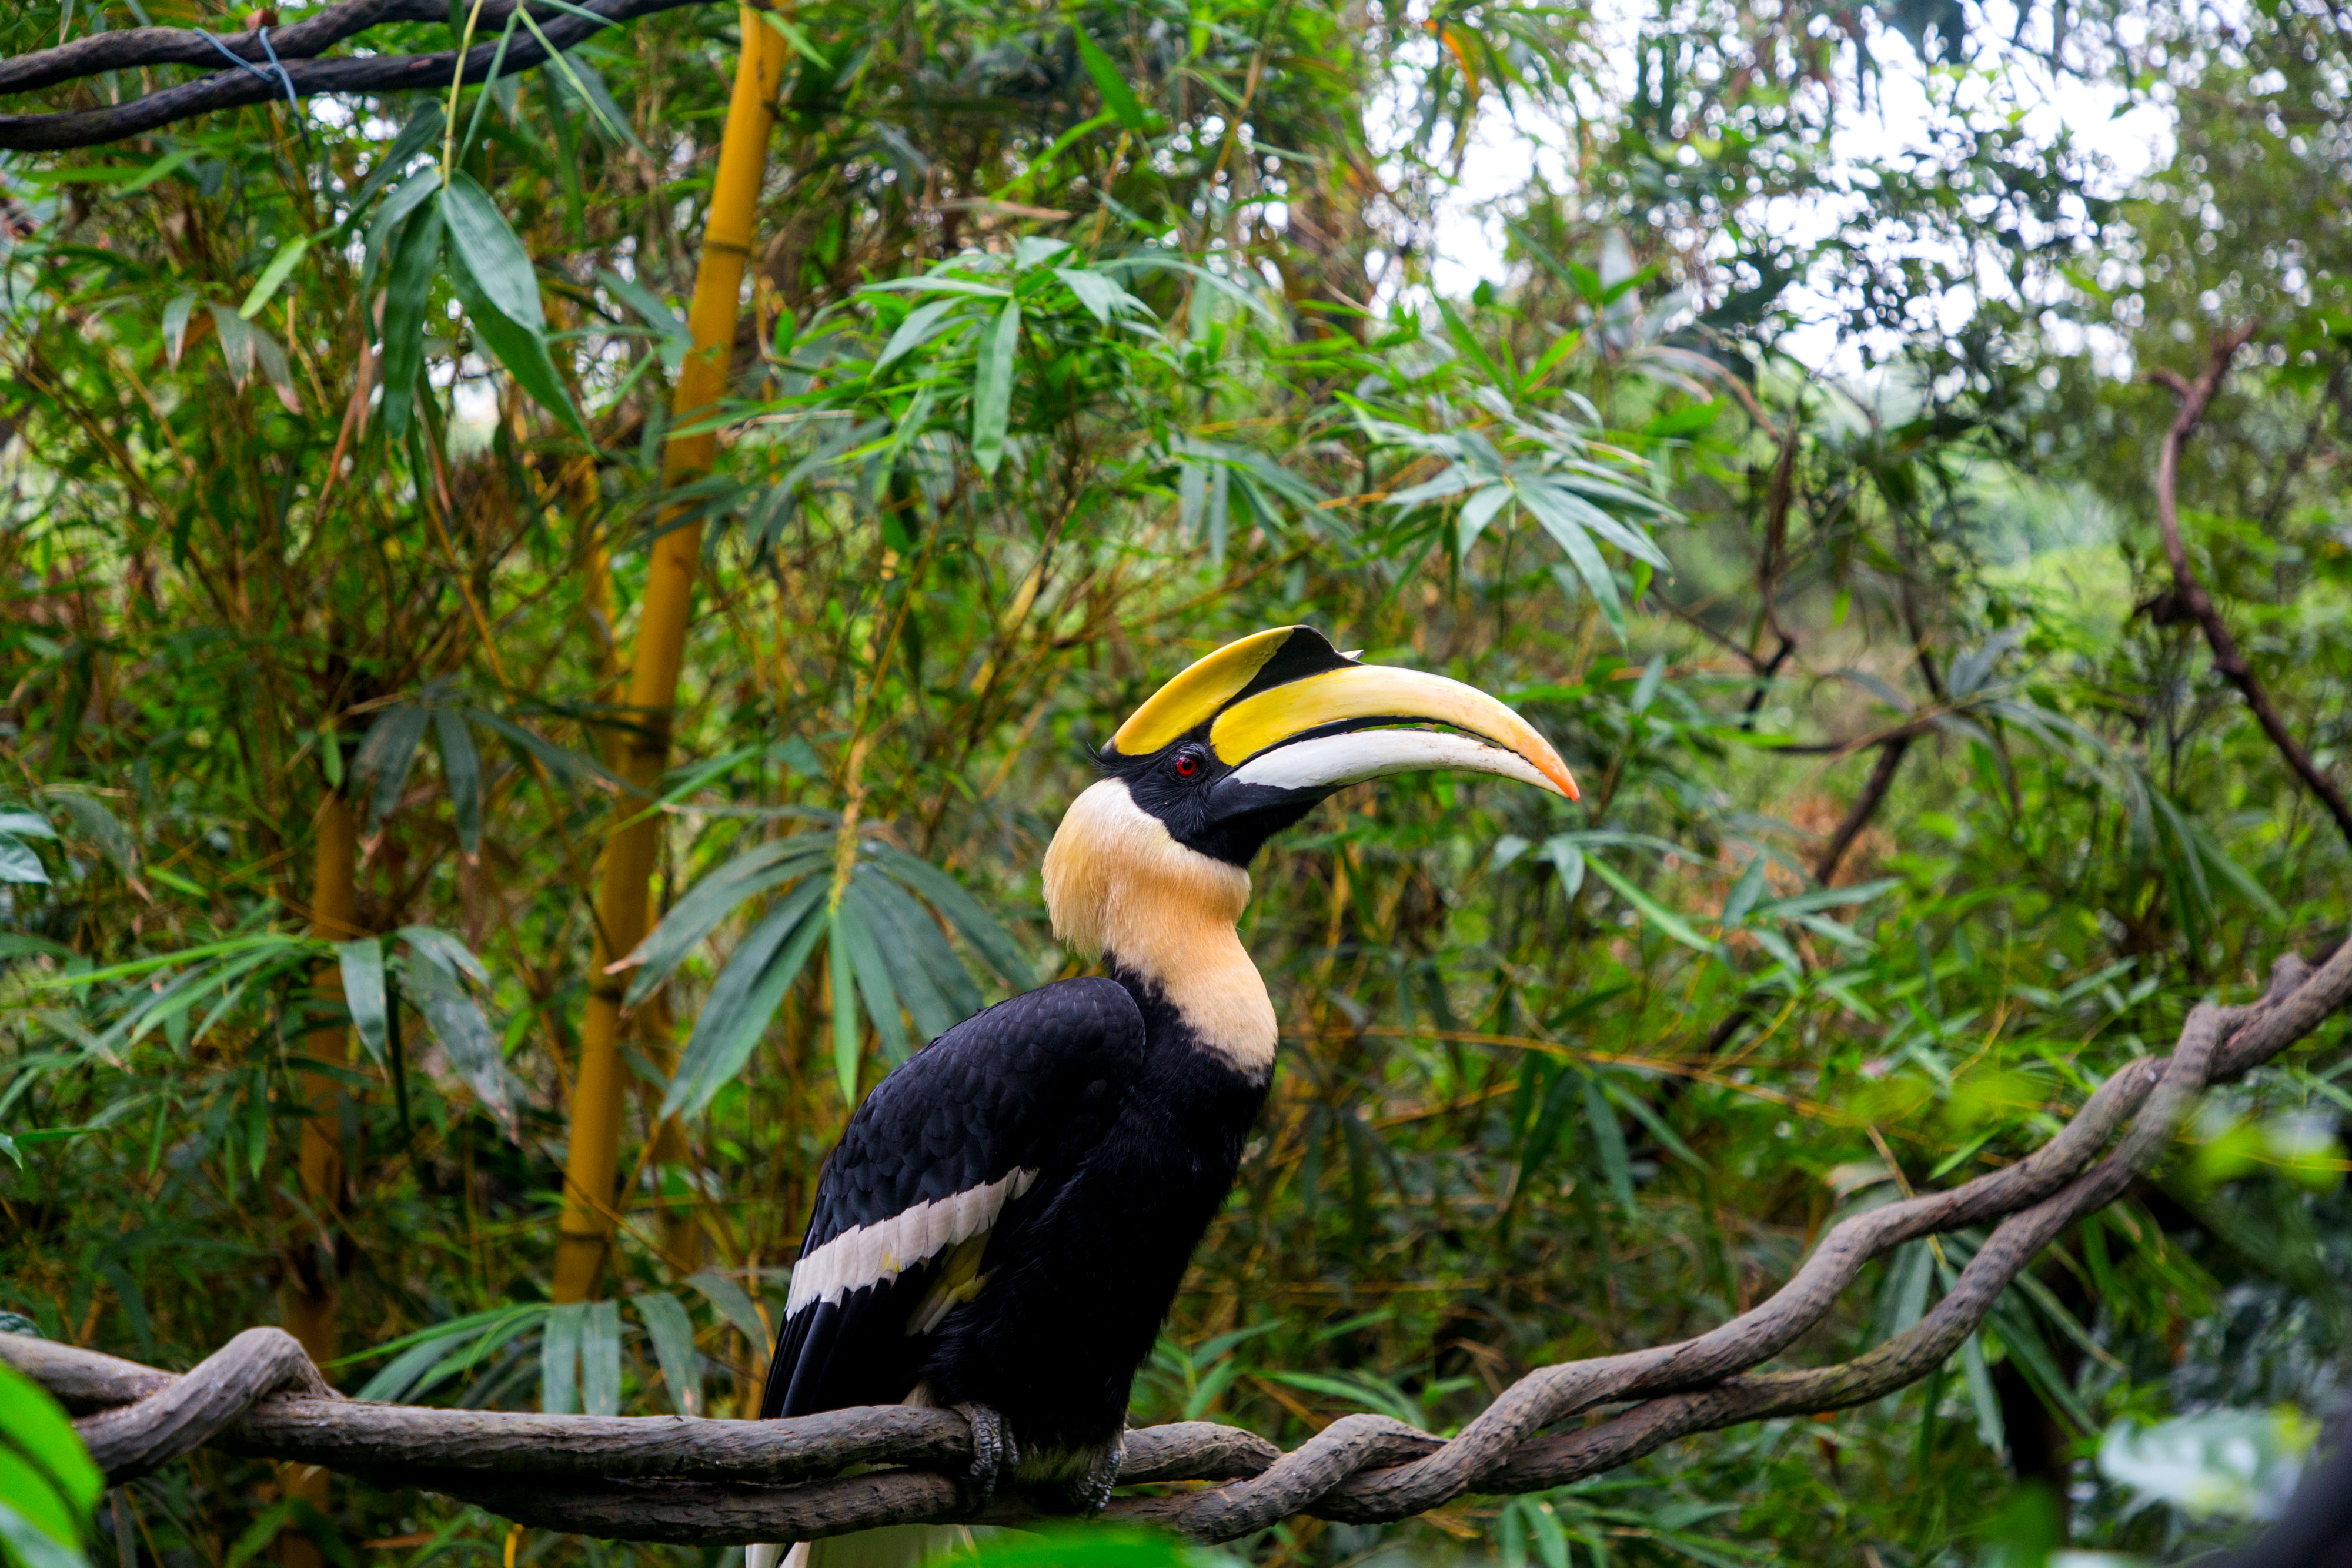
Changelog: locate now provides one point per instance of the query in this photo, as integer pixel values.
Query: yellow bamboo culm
(308, 1300)
(592, 1164)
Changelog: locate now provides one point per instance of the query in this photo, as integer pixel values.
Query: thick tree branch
(2189, 595)
(134, 47)
(706, 1482)
(354, 74)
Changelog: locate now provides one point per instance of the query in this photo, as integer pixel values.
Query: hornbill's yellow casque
(1008, 1214)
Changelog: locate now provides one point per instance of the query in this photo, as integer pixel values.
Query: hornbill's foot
(994, 1451)
(1092, 1491)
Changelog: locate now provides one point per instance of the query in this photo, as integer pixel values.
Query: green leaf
(1651, 909)
(521, 350)
(559, 1360)
(98, 825)
(361, 962)
(672, 1332)
(745, 997)
(456, 1021)
(1608, 1137)
(855, 929)
(1116, 96)
(176, 327)
(406, 293)
(600, 1359)
(380, 769)
(289, 256)
(991, 399)
(19, 863)
(735, 1303)
(461, 765)
(922, 323)
(1099, 294)
(47, 1479)
(974, 923)
(844, 1014)
(709, 901)
(423, 129)
(490, 253)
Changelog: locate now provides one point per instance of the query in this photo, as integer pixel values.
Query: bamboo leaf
(696, 915)
(490, 253)
(974, 923)
(381, 770)
(672, 1332)
(461, 765)
(600, 1359)
(289, 256)
(1116, 96)
(1608, 1139)
(992, 399)
(361, 962)
(1651, 909)
(734, 1303)
(406, 293)
(745, 997)
(18, 863)
(844, 1011)
(855, 927)
(456, 1021)
(559, 1360)
(923, 323)
(97, 823)
(521, 349)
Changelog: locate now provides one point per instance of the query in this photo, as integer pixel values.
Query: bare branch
(2189, 596)
(708, 1482)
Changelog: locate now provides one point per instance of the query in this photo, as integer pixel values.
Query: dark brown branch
(137, 47)
(1865, 806)
(363, 74)
(713, 1482)
(2189, 596)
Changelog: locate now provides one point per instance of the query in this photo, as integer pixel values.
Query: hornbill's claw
(994, 1451)
(1092, 1492)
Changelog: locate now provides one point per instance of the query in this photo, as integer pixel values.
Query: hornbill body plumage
(1010, 1212)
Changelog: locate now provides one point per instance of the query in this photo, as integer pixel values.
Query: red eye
(1187, 764)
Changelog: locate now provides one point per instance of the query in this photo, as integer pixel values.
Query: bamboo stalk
(309, 1299)
(593, 1161)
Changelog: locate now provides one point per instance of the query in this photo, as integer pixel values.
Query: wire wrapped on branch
(296, 75)
(711, 1482)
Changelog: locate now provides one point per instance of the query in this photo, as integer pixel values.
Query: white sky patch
(1907, 101)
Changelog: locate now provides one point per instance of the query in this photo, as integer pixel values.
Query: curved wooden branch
(134, 47)
(352, 74)
(708, 1482)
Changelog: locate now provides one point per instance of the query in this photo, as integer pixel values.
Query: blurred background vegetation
(1789, 464)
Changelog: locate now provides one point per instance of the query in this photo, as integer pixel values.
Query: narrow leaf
(559, 1360)
(600, 1359)
(672, 1332)
(491, 256)
(363, 970)
(992, 401)
(461, 765)
(1116, 96)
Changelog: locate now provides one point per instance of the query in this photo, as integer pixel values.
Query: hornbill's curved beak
(1281, 719)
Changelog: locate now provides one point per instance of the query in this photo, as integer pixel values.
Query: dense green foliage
(1069, 355)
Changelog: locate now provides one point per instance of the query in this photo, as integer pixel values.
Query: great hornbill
(1008, 1214)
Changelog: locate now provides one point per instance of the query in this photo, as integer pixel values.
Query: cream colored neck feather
(1118, 887)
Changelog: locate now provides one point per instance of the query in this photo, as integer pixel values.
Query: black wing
(944, 1144)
